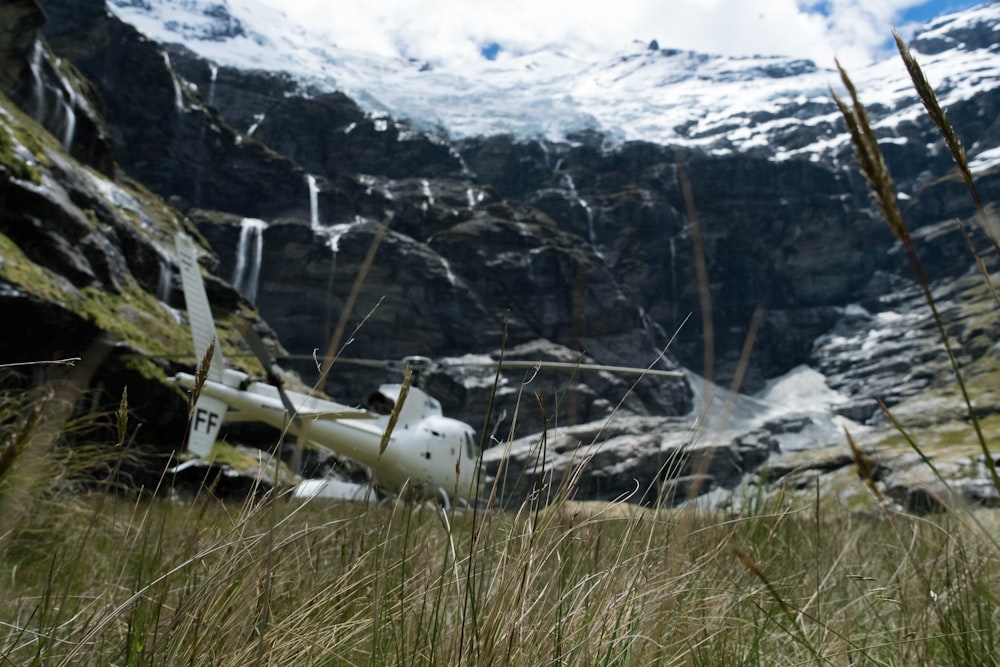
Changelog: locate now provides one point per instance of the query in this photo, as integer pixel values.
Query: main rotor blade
(270, 367)
(563, 366)
(509, 364)
(391, 364)
(338, 415)
(260, 351)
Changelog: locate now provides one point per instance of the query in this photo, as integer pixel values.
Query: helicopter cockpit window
(380, 403)
(470, 446)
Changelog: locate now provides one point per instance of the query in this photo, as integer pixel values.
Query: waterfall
(330, 280)
(52, 105)
(214, 71)
(165, 283)
(258, 118)
(588, 212)
(591, 232)
(333, 234)
(545, 151)
(425, 187)
(653, 330)
(313, 202)
(39, 90)
(69, 122)
(673, 269)
(448, 273)
(461, 161)
(178, 95)
(248, 257)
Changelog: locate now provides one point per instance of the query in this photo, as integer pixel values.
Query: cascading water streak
(69, 122)
(425, 187)
(258, 118)
(178, 95)
(52, 103)
(38, 92)
(165, 282)
(313, 202)
(214, 71)
(588, 212)
(333, 234)
(448, 273)
(249, 253)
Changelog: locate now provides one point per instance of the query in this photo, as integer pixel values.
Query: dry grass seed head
(873, 166)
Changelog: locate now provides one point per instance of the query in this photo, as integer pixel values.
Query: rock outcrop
(86, 254)
(643, 460)
(50, 89)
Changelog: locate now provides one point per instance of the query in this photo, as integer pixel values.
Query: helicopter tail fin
(206, 420)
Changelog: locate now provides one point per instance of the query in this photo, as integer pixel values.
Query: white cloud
(451, 32)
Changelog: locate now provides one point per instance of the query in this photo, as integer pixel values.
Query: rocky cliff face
(551, 249)
(50, 89)
(86, 264)
(458, 267)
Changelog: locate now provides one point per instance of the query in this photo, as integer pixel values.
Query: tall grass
(161, 583)
(99, 579)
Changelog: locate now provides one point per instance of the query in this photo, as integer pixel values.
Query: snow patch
(718, 103)
(801, 397)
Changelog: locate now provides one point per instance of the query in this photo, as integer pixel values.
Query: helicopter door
(426, 453)
(438, 453)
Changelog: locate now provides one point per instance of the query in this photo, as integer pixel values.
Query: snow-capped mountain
(719, 103)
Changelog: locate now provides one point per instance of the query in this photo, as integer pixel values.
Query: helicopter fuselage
(427, 453)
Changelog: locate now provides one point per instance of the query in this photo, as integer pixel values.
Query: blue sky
(929, 10)
(462, 34)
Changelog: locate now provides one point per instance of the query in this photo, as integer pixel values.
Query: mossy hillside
(973, 319)
(151, 216)
(133, 317)
(936, 418)
(18, 167)
(21, 129)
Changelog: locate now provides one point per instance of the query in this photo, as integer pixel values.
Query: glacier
(721, 104)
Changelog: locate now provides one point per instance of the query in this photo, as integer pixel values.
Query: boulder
(640, 459)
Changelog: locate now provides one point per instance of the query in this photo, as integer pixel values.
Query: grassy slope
(112, 582)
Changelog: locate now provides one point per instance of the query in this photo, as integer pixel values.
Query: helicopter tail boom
(209, 412)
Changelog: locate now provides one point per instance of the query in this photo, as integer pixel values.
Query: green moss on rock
(248, 461)
(38, 281)
(27, 132)
(133, 317)
(18, 168)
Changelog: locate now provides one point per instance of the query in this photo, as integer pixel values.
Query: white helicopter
(411, 449)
